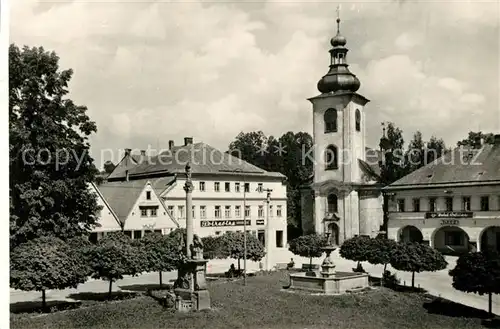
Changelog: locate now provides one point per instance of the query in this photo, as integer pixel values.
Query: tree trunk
(239, 264)
(110, 289)
(44, 300)
(413, 279)
(490, 304)
(385, 267)
(310, 263)
(383, 273)
(161, 281)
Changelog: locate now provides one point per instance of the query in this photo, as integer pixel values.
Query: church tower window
(332, 203)
(331, 157)
(330, 119)
(358, 120)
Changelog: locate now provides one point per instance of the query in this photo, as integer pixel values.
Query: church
(343, 197)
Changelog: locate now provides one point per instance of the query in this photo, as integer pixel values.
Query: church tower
(339, 148)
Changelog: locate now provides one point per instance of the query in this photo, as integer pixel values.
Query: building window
(432, 204)
(216, 186)
(247, 187)
(279, 239)
(170, 210)
(260, 213)
(148, 195)
(449, 203)
(331, 159)
(453, 238)
(144, 212)
(332, 203)
(401, 205)
(261, 236)
(128, 233)
(247, 211)
(194, 212)
(330, 118)
(485, 203)
(416, 205)
(278, 211)
(203, 212)
(227, 212)
(157, 231)
(137, 234)
(237, 211)
(466, 203)
(270, 211)
(202, 186)
(217, 232)
(259, 187)
(237, 187)
(358, 120)
(227, 187)
(217, 213)
(154, 212)
(180, 209)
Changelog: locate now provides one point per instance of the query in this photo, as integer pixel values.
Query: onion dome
(338, 78)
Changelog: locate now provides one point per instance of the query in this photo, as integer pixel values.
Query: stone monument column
(188, 187)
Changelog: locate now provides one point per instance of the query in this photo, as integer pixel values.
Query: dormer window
(330, 119)
(148, 195)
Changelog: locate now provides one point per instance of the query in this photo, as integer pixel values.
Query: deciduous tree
(232, 246)
(49, 162)
(356, 248)
(115, 256)
(478, 272)
(308, 246)
(45, 263)
(416, 258)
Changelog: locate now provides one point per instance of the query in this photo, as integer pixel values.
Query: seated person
(291, 264)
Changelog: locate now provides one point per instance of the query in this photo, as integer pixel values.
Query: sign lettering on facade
(217, 223)
(449, 222)
(449, 214)
(260, 222)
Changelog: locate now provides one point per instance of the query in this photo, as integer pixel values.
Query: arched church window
(358, 120)
(330, 118)
(332, 203)
(331, 157)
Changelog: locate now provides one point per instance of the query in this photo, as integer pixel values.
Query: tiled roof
(459, 166)
(122, 195)
(203, 158)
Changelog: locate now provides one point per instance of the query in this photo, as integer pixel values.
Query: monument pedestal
(191, 288)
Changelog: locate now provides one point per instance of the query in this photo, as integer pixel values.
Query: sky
(152, 71)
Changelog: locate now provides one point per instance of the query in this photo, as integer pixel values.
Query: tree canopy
(308, 245)
(232, 246)
(49, 161)
(356, 248)
(46, 263)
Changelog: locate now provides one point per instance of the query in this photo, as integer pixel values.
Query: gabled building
(108, 221)
(452, 204)
(343, 197)
(227, 190)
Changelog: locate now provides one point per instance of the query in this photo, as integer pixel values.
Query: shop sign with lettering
(449, 214)
(450, 222)
(218, 223)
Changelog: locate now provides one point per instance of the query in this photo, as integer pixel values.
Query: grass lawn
(264, 304)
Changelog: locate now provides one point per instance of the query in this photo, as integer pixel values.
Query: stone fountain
(328, 280)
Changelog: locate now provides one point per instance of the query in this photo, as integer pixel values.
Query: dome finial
(338, 19)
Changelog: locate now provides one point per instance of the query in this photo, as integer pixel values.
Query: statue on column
(197, 248)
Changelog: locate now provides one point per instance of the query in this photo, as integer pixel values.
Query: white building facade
(452, 204)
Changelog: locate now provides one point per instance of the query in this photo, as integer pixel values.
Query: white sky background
(161, 70)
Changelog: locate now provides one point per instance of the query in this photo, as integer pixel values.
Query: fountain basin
(332, 284)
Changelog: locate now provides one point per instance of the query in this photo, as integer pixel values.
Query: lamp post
(267, 238)
(244, 231)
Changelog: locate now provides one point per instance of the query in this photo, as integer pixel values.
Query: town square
(267, 164)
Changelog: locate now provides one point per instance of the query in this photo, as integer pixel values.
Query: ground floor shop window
(454, 238)
(137, 234)
(261, 236)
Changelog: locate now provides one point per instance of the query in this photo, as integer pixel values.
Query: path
(436, 283)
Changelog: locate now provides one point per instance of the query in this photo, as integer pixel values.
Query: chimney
(127, 151)
(143, 153)
(170, 144)
(188, 141)
(496, 139)
(126, 175)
